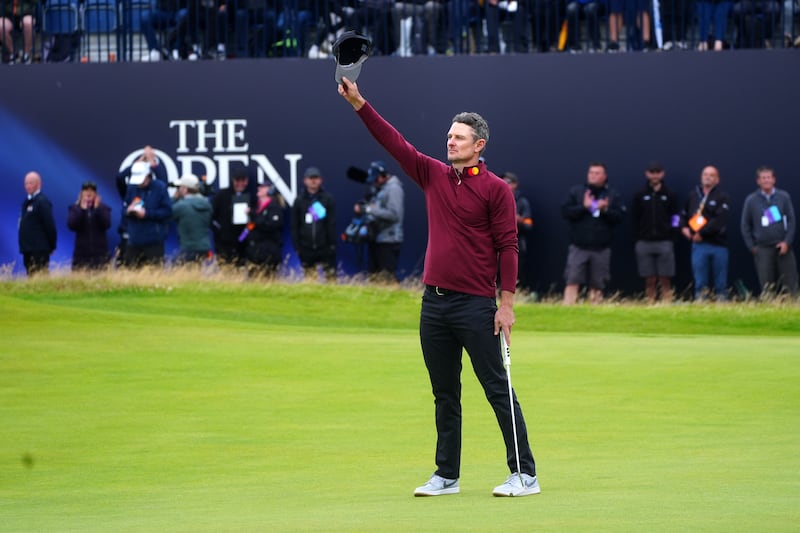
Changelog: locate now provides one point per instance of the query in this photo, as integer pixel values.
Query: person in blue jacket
(148, 208)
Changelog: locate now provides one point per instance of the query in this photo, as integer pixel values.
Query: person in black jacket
(37, 229)
(705, 224)
(656, 219)
(89, 218)
(593, 210)
(314, 225)
(230, 208)
(264, 236)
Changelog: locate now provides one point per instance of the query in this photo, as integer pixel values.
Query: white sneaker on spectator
(221, 52)
(194, 55)
(175, 55)
(151, 55)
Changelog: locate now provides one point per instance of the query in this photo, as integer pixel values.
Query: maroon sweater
(472, 227)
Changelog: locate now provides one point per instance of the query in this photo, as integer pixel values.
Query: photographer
(385, 211)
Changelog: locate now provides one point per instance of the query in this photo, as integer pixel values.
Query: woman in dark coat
(89, 218)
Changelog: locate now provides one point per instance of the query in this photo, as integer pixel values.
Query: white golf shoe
(436, 486)
(514, 487)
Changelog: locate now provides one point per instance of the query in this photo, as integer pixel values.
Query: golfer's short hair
(480, 129)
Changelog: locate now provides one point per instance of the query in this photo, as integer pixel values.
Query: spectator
(547, 19)
(768, 227)
(265, 231)
(715, 12)
(148, 208)
(208, 16)
(386, 210)
(330, 15)
(255, 26)
(656, 219)
(314, 225)
(590, 11)
(37, 229)
(158, 170)
(90, 219)
(230, 208)
(593, 210)
(373, 18)
(471, 239)
(418, 27)
(17, 14)
(705, 225)
(755, 21)
(524, 226)
(166, 15)
(512, 15)
(616, 11)
(642, 35)
(192, 213)
(675, 18)
(791, 9)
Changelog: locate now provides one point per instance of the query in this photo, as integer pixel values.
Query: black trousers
(36, 263)
(449, 323)
(383, 257)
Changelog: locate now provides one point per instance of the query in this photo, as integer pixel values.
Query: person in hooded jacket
(593, 210)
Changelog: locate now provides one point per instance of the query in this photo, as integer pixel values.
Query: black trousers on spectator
(450, 322)
(383, 257)
(144, 255)
(36, 263)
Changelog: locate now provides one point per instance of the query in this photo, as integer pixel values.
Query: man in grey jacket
(385, 209)
(768, 227)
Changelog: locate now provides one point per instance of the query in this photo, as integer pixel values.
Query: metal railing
(155, 30)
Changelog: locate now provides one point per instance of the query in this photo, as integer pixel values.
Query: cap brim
(351, 71)
(137, 179)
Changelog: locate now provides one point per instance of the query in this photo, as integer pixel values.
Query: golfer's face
(461, 144)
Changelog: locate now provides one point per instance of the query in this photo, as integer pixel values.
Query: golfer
(472, 232)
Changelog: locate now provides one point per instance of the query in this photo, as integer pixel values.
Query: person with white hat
(148, 209)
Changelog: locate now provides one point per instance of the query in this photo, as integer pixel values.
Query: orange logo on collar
(474, 171)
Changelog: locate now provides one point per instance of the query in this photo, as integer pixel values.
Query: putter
(506, 354)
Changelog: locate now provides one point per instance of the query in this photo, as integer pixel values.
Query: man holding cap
(472, 236)
(148, 209)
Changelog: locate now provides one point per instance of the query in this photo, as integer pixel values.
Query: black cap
(655, 166)
(376, 168)
(350, 50)
(312, 172)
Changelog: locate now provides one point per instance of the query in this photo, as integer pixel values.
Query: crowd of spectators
(247, 221)
(156, 30)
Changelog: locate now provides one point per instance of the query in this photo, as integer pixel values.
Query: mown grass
(194, 403)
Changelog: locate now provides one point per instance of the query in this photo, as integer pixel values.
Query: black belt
(438, 291)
